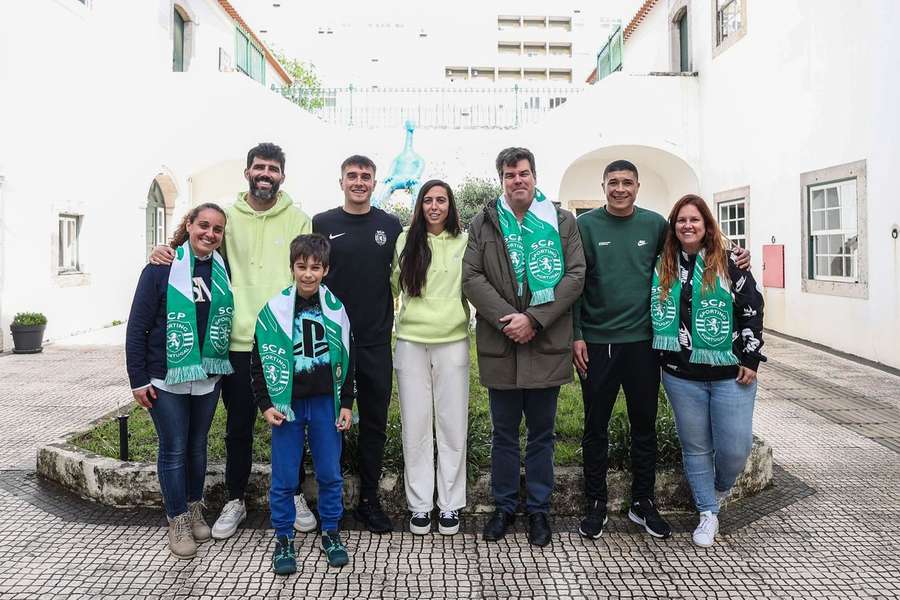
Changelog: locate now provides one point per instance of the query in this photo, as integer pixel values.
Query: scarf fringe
(542, 296)
(668, 343)
(184, 374)
(716, 358)
(287, 411)
(217, 366)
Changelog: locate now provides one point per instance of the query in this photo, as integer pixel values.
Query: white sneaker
(705, 534)
(305, 521)
(233, 514)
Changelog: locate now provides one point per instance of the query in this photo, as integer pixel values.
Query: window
(834, 229)
(609, 60)
(178, 43)
(249, 59)
(730, 23)
(684, 60)
(69, 226)
(833, 233)
(733, 221)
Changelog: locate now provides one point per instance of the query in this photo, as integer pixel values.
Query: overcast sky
(385, 34)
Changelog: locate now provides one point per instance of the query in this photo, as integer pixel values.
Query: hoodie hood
(282, 202)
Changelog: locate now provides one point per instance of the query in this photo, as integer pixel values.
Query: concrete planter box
(122, 484)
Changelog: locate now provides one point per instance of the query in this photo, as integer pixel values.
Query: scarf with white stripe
(275, 345)
(535, 248)
(185, 361)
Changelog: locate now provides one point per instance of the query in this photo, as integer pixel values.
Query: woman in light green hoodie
(432, 358)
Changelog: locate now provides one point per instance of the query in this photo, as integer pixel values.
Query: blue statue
(405, 172)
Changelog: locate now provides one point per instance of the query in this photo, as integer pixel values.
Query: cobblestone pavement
(827, 529)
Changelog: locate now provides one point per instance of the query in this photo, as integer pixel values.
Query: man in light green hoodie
(258, 233)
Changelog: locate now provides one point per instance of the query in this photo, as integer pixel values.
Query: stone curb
(129, 484)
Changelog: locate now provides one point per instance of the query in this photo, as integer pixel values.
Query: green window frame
(249, 58)
(178, 42)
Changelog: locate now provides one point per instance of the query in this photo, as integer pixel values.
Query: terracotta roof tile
(638, 18)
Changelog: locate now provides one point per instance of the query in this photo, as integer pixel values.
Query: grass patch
(104, 439)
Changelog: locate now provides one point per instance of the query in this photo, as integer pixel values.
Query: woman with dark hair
(176, 351)
(707, 322)
(432, 358)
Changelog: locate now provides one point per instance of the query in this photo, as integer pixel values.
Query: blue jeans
(715, 425)
(507, 408)
(182, 425)
(314, 417)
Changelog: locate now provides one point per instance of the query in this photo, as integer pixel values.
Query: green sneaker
(334, 549)
(284, 561)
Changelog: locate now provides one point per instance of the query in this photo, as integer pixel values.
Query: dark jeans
(634, 367)
(507, 408)
(237, 396)
(182, 426)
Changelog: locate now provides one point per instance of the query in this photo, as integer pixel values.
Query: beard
(264, 195)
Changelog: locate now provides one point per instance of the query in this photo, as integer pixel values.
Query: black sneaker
(371, 513)
(448, 524)
(497, 525)
(594, 521)
(644, 513)
(539, 533)
(420, 523)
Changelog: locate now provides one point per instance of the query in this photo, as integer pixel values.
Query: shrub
(29, 319)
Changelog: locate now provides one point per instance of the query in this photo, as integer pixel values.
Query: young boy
(302, 374)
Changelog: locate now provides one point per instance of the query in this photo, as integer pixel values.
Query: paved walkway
(828, 529)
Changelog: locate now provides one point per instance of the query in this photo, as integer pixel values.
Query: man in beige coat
(524, 348)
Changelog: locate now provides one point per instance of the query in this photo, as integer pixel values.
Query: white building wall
(802, 91)
(647, 49)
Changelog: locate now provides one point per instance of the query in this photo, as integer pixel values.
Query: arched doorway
(664, 178)
(160, 205)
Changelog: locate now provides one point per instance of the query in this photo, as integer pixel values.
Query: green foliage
(104, 439)
(306, 90)
(472, 195)
(27, 319)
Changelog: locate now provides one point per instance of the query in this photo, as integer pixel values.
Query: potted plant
(28, 332)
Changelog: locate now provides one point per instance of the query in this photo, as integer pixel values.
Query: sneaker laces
(449, 514)
(421, 515)
(182, 526)
(301, 505)
(197, 509)
(333, 541)
(707, 523)
(231, 510)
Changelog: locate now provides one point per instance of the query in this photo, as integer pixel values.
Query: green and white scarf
(534, 247)
(712, 318)
(184, 360)
(274, 328)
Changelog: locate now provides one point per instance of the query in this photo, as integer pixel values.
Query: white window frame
(734, 197)
(845, 211)
(834, 177)
(160, 225)
(68, 260)
(720, 43)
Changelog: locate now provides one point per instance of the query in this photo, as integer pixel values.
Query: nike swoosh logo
(331, 236)
(642, 243)
(604, 243)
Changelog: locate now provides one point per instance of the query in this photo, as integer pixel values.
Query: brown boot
(181, 540)
(198, 523)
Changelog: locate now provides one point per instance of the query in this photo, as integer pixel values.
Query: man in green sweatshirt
(260, 227)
